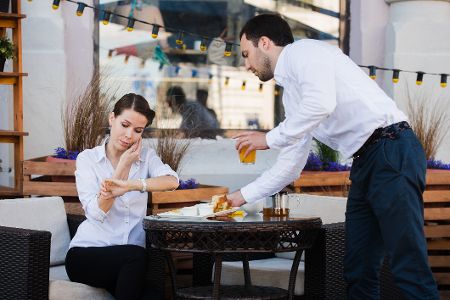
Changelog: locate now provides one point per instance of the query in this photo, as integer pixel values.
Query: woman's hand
(116, 187)
(132, 154)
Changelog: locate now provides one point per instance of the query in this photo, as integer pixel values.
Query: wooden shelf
(13, 133)
(9, 136)
(10, 20)
(8, 191)
(10, 77)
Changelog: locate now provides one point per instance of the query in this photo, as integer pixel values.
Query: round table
(232, 235)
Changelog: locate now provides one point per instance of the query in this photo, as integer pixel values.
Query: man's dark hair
(270, 25)
(177, 95)
(136, 103)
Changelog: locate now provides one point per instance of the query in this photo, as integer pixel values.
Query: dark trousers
(385, 217)
(118, 269)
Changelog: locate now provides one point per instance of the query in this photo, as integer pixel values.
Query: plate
(176, 214)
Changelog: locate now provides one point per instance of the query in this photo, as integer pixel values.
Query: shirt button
(126, 221)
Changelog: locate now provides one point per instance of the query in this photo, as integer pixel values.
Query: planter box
(56, 178)
(323, 183)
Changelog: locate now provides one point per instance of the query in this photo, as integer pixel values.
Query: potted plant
(7, 51)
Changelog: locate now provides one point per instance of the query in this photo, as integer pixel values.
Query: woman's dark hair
(270, 25)
(136, 103)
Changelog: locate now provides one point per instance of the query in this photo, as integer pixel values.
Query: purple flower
(63, 153)
(437, 164)
(188, 184)
(314, 163)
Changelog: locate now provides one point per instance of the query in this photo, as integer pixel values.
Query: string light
(80, 8)
(106, 17)
(143, 63)
(127, 57)
(110, 53)
(444, 80)
(177, 70)
(203, 46)
(244, 84)
(260, 87)
(419, 78)
(194, 73)
(227, 80)
(130, 25)
(210, 76)
(161, 66)
(373, 72)
(179, 39)
(395, 75)
(56, 4)
(228, 48)
(155, 31)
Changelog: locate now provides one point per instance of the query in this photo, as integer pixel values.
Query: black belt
(388, 132)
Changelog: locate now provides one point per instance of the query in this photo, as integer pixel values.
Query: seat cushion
(264, 272)
(67, 290)
(47, 214)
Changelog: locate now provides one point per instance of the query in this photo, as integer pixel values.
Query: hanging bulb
(127, 57)
(444, 80)
(143, 63)
(260, 87)
(276, 92)
(179, 39)
(183, 47)
(373, 72)
(228, 48)
(56, 4)
(130, 25)
(244, 83)
(155, 31)
(177, 70)
(80, 9)
(194, 73)
(419, 79)
(210, 76)
(106, 17)
(161, 66)
(110, 53)
(203, 46)
(395, 75)
(227, 80)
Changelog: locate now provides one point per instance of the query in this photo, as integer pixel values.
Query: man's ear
(264, 42)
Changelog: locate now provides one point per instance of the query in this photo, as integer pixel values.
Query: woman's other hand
(116, 187)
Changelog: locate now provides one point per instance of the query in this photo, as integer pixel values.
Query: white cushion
(47, 214)
(58, 273)
(264, 272)
(67, 290)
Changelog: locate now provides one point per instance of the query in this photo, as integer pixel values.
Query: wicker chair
(25, 262)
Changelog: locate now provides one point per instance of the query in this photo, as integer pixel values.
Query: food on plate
(220, 203)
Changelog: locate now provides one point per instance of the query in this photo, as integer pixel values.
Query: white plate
(176, 214)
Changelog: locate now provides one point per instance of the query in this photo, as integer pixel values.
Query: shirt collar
(101, 153)
(280, 67)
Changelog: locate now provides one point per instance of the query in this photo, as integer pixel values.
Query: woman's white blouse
(122, 224)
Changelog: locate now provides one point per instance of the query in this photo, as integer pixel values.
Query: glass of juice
(249, 159)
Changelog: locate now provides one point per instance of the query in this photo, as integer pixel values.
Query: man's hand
(236, 199)
(254, 140)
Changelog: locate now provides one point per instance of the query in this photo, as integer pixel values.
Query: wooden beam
(434, 214)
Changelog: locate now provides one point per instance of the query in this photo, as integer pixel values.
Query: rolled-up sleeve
(287, 168)
(88, 188)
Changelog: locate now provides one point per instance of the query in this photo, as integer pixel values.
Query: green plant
(7, 48)
(325, 153)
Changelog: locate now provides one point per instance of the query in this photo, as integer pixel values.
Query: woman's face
(126, 128)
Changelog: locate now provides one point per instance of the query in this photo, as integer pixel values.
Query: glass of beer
(249, 159)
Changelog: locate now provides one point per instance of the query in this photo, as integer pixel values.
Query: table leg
(217, 275)
(245, 265)
(293, 274)
(172, 272)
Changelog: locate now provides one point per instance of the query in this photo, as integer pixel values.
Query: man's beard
(266, 72)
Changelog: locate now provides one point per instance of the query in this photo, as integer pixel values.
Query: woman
(108, 248)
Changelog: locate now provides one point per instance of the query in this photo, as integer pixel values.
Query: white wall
(58, 57)
(405, 34)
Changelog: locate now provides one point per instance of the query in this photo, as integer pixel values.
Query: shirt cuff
(249, 193)
(271, 138)
(94, 210)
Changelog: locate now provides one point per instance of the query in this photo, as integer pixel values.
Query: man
(329, 97)
(197, 121)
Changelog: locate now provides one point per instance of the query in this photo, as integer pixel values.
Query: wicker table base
(233, 292)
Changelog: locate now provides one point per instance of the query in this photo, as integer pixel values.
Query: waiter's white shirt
(325, 96)
(122, 224)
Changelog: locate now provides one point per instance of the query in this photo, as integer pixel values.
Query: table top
(223, 234)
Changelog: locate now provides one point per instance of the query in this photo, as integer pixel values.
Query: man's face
(255, 59)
